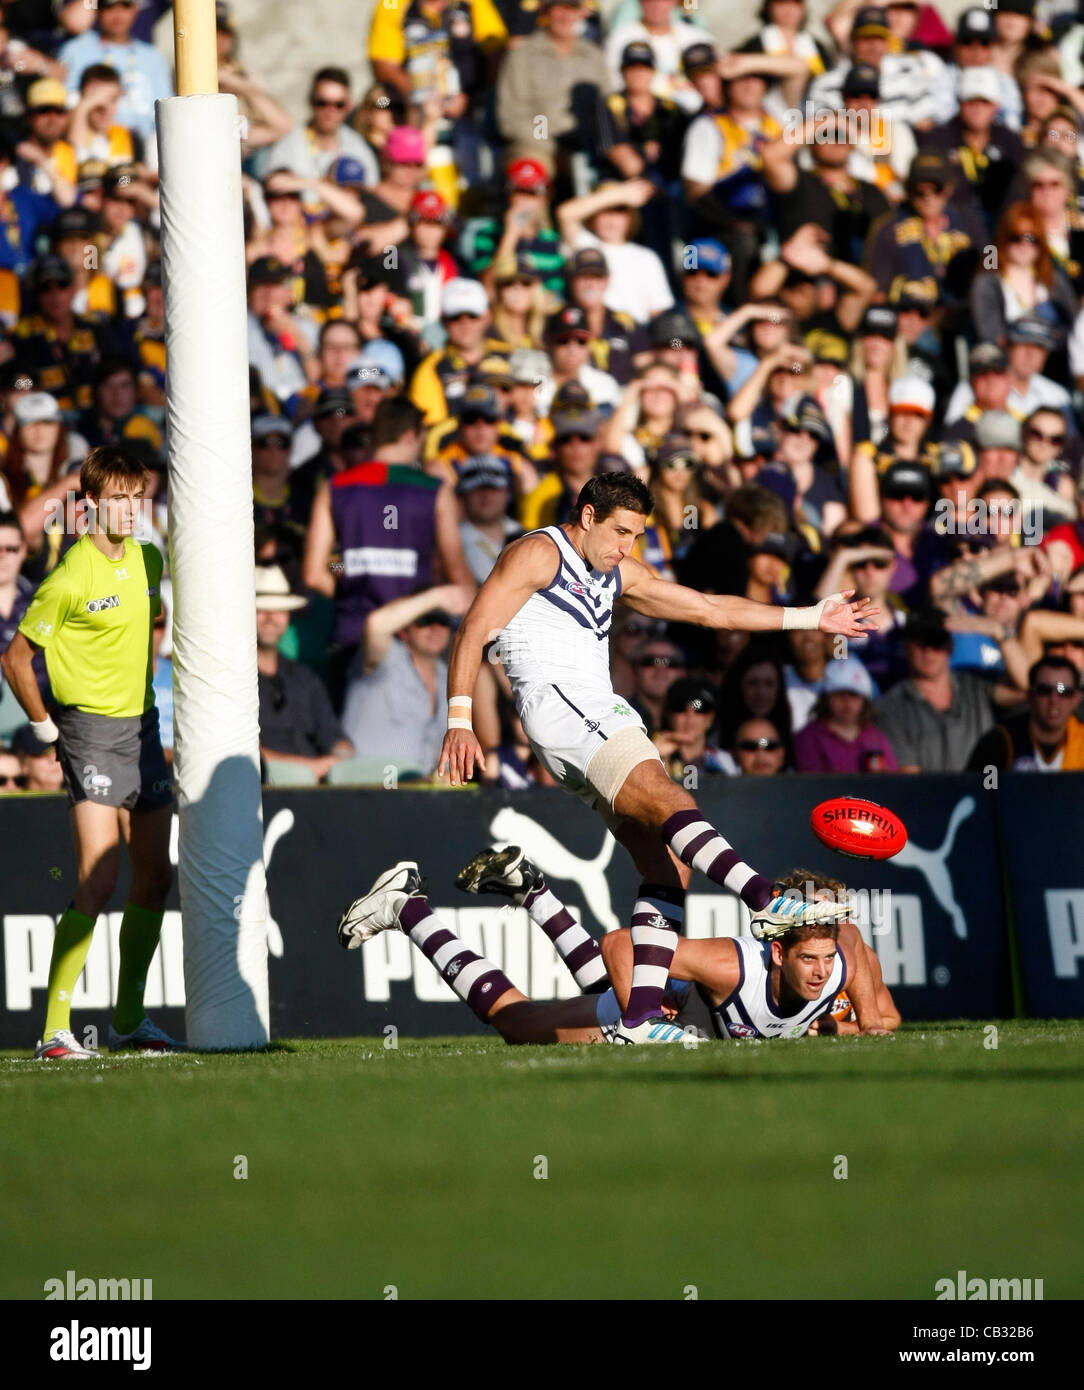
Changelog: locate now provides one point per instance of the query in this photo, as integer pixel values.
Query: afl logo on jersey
(741, 1030)
(574, 587)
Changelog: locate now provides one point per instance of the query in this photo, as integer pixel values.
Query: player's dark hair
(1062, 663)
(111, 463)
(757, 508)
(610, 492)
(110, 365)
(394, 417)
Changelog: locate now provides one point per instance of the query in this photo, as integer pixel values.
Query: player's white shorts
(567, 727)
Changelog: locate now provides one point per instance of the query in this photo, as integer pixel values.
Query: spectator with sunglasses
(759, 748)
(45, 159)
(442, 377)
(681, 509)
(575, 454)
(841, 737)
(657, 663)
(40, 767)
(311, 150)
(12, 778)
(863, 559)
(297, 723)
(616, 339)
(754, 688)
(688, 715)
(1023, 278)
(145, 77)
(1042, 476)
(1048, 736)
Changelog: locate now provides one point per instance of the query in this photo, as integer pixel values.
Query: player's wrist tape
(45, 730)
(807, 618)
(460, 724)
(461, 700)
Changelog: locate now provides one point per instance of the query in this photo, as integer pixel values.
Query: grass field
(666, 1168)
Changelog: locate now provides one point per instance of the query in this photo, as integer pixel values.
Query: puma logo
(556, 862)
(933, 865)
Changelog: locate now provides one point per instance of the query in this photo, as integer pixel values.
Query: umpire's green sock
(140, 929)
(70, 946)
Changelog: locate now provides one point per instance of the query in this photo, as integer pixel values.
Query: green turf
(666, 1168)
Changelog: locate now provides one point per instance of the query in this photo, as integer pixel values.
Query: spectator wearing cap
(906, 491)
(683, 740)
(954, 468)
(910, 416)
(41, 770)
(312, 149)
(828, 193)
(484, 489)
(145, 76)
(297, 723)
(16, 591)
(657, 662)
(718, 562)
(519, 303)
(1024, 280)
(329, 416)
(374, 301)
(841, 737)
(882, 144)
(818, 501)
(1050, 177)
(1046, 737)
(426, 264)
(41, 456)
(770, 560)
(930, 236)
(525, 418)
(114, 415)
(567, 338)
(646, 413)
(642, 131)
(279, 342)
(480, 431)
(265, 119)
(376, 374)
(127, 201)
(575, 456)
(23, 214)
(403, 163)
(443, 376)
(934, 717)
(616, 338)
(667, 35)
(45, 160)
(975, 40)
(522, 233)
(877, 355)
(984, 152)
(988, 387)
(681, 505)
(553, 82)
(274, 499)
(53, 343)
(700, 69)
(377, 564)
(395, 702)
(909, 90)
(605, 220)
(74, 235)
(1030, 341)
(1043, 477)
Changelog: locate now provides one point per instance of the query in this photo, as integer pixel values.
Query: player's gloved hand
(460, 754)
(45, 731)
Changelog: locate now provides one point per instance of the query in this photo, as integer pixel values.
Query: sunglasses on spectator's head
(1034, 433)
(1054, 688)
(756, 745)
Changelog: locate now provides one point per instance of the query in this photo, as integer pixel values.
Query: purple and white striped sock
(476, 980)
(697, 843)
(657, 918)
(576, 946)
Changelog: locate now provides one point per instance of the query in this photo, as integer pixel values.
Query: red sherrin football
(858, 828)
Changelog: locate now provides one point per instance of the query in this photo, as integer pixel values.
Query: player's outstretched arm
(522, 568)
(712, 963)
(660, 598)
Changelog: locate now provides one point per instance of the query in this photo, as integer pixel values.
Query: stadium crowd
(822, 293)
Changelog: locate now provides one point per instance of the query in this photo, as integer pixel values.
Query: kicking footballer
(784, 981)
(94, 618)
(549, 600)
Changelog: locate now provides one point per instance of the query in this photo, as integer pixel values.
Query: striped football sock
(657, 918)
(577, 947)
(698, 844)
(476, 980)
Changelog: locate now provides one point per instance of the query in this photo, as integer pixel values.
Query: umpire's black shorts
(113, 761)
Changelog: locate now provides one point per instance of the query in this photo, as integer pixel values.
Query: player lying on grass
(753, 987)
(549, 600)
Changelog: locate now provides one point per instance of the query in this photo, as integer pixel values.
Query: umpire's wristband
(45, 730)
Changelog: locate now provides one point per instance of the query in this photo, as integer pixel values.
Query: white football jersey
(560, 635)
(749, 1012)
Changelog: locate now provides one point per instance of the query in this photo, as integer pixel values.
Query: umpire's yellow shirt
(95, 618)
